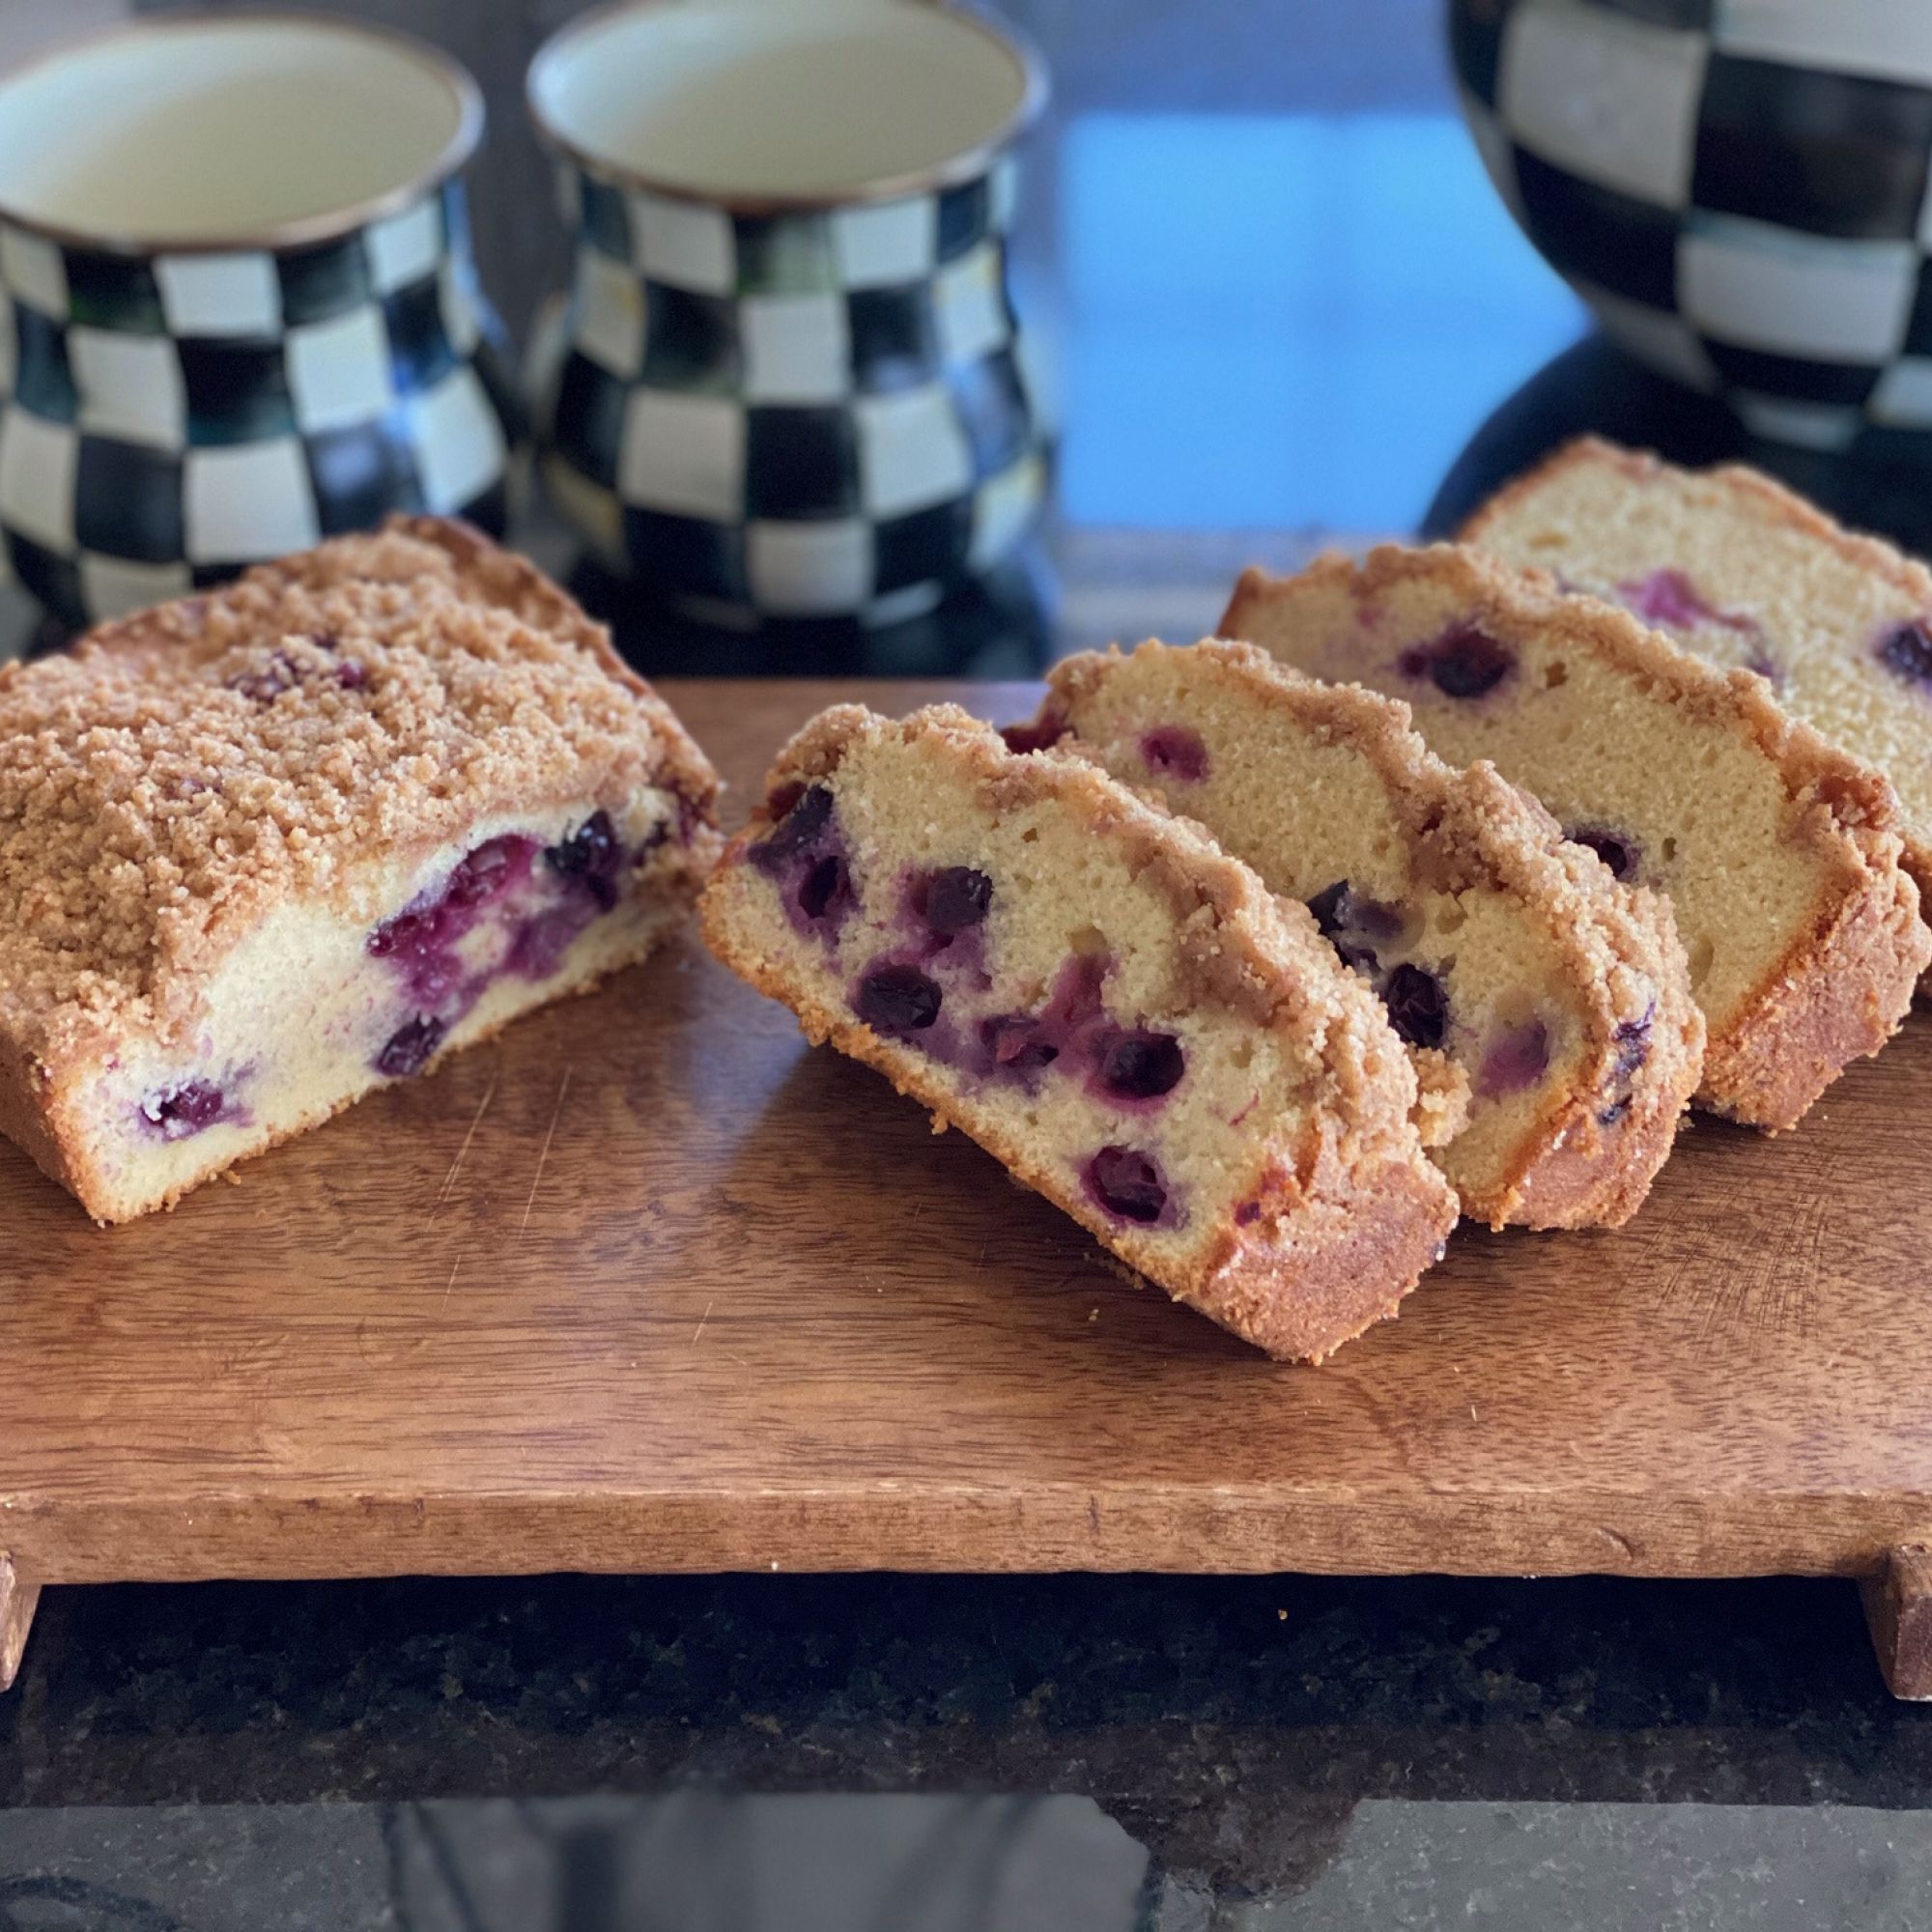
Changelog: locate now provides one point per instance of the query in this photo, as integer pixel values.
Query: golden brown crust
(1843, 998)
(1573, 1184)
(1308, 1271)
(1473, 828)
(184, 771)
(1300, 1288)
(1825, 1002)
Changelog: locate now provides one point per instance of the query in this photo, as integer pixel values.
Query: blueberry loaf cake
(1561, 994)
(1105, 1002)
(1779, 854)
(1736, 568)
(264, 849)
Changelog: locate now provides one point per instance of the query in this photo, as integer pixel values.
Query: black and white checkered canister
(167, 419)
(805, 415)
(1739, 187)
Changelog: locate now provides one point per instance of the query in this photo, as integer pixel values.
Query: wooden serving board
(646, 1285)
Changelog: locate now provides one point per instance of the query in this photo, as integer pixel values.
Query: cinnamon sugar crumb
(184, 770)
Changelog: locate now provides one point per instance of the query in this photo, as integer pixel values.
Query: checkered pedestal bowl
(171, 414)
(816, 413)
(1738, 187)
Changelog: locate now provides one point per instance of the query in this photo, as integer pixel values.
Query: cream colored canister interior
(748, 98)
(225, 129)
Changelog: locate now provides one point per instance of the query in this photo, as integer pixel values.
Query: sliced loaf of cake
(1105, 1002)
(1780, 855)
(1733, 566)
(1562, 995)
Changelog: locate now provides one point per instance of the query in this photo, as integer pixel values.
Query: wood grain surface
(1899, 1607)
(18, 1600)
(646, 1285)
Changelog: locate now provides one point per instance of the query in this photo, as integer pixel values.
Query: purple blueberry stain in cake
(1017, 1043)
(807, 816)
(895, 998)
(1418, 1004)
(1630, 1044)
(175, 1113)
(268, 681)
(1630, 1050)
(490, 870)
(824, 889)
(1632, 1040)
(1130, 1187)
(681, 822)
(435, 921)
(540, 942)
(1076, 999)
(590, 856)
(806, 857)
(419, 941)
(408, 1050)
(1139, 1066)
(1906, 651)
(1669, 597)
(955, 899)
(1064, 1033)
(351, 676)
(1174, 750)
(1326, 905)
(1354, 924)
(1514, 1061)
(1618, 850)
(1464, 662)
(539, 915)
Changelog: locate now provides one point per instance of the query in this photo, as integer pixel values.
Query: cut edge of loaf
(1566, 1172)
(1345, 1231)
(1841, 988)
(1862, 552)
(47, 1137)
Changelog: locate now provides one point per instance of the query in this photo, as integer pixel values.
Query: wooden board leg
(17, 1600)
(1899, 1607)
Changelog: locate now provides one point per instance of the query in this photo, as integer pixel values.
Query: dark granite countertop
(928, 1753)
(1343, 1753)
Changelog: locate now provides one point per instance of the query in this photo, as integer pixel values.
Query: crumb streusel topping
(184, 770)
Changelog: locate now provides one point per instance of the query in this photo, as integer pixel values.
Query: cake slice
(264, 849)
(1779, 854)
(1105, 1001)
(1733, 566)
(1561, 994)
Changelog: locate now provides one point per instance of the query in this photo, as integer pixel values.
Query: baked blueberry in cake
(1779, 854)
(1733, 566)
(266, 849)
(1560, 993)
(1105, 1002)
